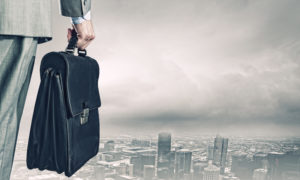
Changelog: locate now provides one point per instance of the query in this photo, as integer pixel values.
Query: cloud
(202, 62)
(196, 65)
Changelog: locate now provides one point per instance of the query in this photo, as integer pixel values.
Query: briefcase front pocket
(84, 139)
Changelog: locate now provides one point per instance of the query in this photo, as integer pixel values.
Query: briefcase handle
(72, 45)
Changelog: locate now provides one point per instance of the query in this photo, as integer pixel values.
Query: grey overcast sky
(192, 66)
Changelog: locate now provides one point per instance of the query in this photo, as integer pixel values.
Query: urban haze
(195, 66)
(165, 157)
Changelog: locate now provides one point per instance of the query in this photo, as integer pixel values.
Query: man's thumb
(69, 35)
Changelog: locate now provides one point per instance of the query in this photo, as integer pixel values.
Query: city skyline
(184, 158)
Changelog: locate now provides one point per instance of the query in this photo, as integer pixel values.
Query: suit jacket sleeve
(75, 8)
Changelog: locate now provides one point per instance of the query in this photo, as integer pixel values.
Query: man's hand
(85, 33)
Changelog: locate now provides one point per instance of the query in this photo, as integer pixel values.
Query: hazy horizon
(191, 67)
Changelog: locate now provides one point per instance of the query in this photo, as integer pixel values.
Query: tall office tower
(147, 160)
(274, 168)
(283, 166)
(220, 152)
(141, 143)
(211, 172)
(121, 169)
(172, 165)
(291, 165)
(260, 174)
(242, 165)
(137, 164)
(139, 161)
(210, 152)
(163, 155)
(198, 170)
(183, 161)
(149, 172)
(99, 172)
(260, 160)
(129, 169)
(109, 146)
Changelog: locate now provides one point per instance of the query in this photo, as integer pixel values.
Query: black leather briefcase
(64, 132)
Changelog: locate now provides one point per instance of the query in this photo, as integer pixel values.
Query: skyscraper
(242, 165)
(220, 152)
(130, 169)
(211, 172)
(121, 169)
(210, 152)
(163, 155)
(260, 160)
(139, 161)
(183, 160)
(198, 170)
(109, 146)
(260, 174)
(137, 165)
(274, 168)
(149, 172)
(282, 166)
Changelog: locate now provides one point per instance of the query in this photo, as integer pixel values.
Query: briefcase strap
(72, 45)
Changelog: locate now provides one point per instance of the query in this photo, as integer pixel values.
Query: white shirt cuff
(78, 20)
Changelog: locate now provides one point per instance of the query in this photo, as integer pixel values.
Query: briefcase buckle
(84, 116)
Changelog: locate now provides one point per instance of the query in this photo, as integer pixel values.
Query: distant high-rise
(220, 152)
(198, 170)
(260, 174)
(172, 164)
(129, 169)
(242, 165)
(282, 166)
(210, 152)
(291, 165)
(211, 172)
(149, 172)
(139, 161)
(109, 146)
(183, 160)
(137, 165)
(163, 155)
(274, 168)
(139, 142)
(121, 169)
(260, 160)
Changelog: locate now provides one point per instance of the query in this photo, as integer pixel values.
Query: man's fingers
(81, 43)
(85, 33)
(85, 46)
(90, 30)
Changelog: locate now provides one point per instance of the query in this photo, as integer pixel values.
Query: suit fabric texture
(17, 56)
(32, 18)
(23, 24)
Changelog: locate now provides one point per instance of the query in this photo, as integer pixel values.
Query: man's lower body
(17, 55)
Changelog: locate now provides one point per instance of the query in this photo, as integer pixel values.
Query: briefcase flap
(79, 77)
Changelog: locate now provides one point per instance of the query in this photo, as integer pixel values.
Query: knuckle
(83, 36)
